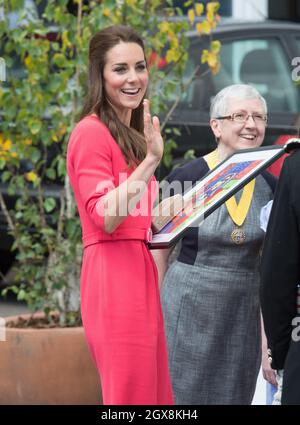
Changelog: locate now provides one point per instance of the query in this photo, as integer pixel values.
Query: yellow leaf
(210, 16)
(170, 56)
(212, 7)
(212, 60)
(204, 56)
(28, 62)
(6, 145)
(131, 2)
(215, 46)
(14, 154)
(174, 42)
(65, 40)
(106, 11)
(28, 142)
(216, 69)
(59, 58)
(199, 28)
(164, 26)
(191, 15)
(206, 28)
(63, 130)
(199, 7)
(56, 137)
(31, 176)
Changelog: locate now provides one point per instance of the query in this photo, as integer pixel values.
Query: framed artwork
(216, 187)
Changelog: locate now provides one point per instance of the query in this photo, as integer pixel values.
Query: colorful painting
(215, 188)
(210, 192)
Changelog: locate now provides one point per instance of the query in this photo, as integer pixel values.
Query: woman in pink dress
(112, 156)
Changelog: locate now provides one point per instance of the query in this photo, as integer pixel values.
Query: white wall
(250, 9)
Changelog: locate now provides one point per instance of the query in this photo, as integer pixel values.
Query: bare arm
(268, 373)
(161, 257)
(119, 202)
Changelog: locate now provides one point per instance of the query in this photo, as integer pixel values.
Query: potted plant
(40, 103)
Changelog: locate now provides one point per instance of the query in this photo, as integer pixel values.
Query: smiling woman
(125, 78)
(238, 119)
(210, 294)
(116, 146)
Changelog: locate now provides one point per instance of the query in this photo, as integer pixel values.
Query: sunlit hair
(219, 105)
(130, 139)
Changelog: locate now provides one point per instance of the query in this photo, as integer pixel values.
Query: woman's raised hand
(154, 140)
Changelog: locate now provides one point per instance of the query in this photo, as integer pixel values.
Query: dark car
(256, 53)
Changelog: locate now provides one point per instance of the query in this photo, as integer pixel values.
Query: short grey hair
(219, 104)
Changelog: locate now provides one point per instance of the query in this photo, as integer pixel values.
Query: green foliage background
(40, 105)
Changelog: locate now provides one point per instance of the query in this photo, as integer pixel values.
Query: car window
(259, 62)
(298, 46)
(262, 63)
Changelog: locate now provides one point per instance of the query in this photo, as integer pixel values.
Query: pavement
(10, 307)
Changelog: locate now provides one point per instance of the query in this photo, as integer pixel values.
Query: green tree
(39, 107)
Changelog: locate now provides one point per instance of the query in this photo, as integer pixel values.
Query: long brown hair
(130, 139)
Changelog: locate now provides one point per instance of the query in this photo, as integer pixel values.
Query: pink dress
(120, 300)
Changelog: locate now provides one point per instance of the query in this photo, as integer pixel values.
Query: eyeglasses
(243, 117)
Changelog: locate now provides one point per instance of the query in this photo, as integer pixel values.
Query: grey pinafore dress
(212, 313)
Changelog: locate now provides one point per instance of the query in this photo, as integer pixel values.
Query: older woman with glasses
(210, 293)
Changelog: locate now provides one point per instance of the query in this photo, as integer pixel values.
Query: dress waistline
(124, 234)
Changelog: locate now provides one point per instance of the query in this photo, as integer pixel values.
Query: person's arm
(268, 373)
(280, 271)
(120, 199)
(161, 257)
(91, 158)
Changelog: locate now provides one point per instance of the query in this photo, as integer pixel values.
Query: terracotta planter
(47, 366)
